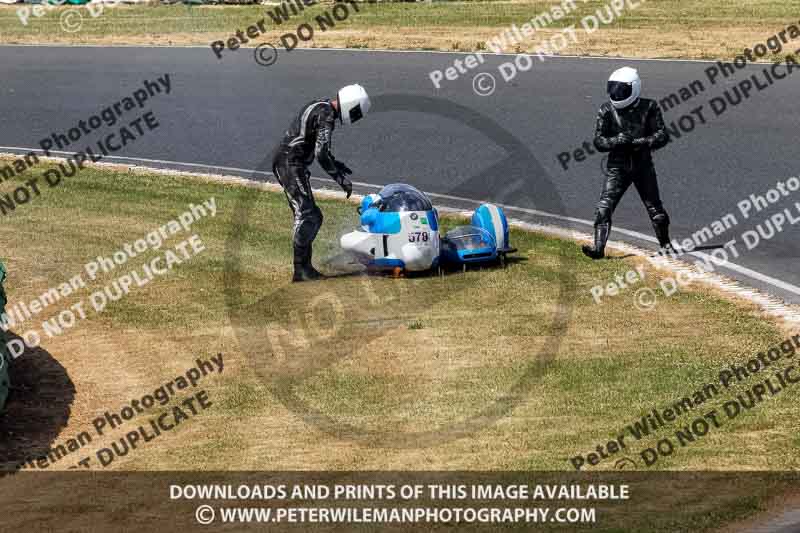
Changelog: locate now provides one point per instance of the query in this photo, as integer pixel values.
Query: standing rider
(629, 128)
(309, 137)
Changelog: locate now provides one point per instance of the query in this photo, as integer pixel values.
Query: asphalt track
(227, 114)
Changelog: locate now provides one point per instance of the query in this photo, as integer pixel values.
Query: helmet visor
(619, 91)
(355, 114)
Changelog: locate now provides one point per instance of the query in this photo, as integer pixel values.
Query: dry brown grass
(656, 29)
(443, 368)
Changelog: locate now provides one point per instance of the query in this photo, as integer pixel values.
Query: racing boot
(598, 251)
(305, 272)
(303, 269)
(661, 227)
(668, 249)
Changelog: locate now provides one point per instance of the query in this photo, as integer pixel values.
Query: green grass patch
(670, 28)
(409, 356)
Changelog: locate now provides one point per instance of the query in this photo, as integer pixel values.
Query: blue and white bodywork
(492, 219)
(399, 229)
(468, 244)
(484, 240)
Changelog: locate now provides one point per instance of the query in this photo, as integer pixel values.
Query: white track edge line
(768, 303)
(368, 50)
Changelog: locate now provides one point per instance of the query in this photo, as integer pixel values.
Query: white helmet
(353, 103)
(624, 87)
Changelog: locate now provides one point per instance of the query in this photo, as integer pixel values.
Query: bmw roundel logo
(414, 216)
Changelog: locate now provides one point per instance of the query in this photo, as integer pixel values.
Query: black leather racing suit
(630, 162)
(308, 136)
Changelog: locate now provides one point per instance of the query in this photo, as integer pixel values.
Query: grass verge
(653, 29)
(432, 351)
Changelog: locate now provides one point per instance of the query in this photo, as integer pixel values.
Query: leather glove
(345, 184)
(623, 139)
(342, 168)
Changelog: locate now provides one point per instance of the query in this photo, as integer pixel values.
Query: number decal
(418, 236)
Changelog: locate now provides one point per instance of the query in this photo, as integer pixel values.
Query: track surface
(230, 112)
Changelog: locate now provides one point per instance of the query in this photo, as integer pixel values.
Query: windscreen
(470, 238)
(401, 197)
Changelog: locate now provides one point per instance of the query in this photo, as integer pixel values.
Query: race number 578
(418, 236)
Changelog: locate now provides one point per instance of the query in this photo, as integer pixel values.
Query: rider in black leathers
(629, 134)
(309, 137)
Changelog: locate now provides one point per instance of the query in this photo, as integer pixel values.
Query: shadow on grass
(340, 263)
(38, 407)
